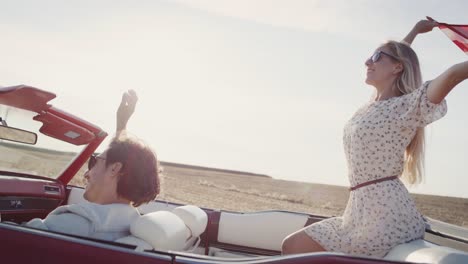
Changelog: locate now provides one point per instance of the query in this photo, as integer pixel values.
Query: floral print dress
(381, 215)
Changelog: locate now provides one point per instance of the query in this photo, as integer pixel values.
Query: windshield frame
(57, 124)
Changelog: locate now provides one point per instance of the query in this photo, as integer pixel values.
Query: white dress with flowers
(381, 215)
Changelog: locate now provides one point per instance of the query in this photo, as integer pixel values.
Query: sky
(250, 85)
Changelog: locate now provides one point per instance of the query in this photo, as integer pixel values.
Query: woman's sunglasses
(92, 161)
(378, 54)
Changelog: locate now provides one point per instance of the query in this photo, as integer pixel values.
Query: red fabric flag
(457, 33)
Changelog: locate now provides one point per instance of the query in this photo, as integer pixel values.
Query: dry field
(237, 191)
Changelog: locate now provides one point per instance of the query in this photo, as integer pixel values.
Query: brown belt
(373, 182)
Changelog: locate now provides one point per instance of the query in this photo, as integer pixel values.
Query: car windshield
(47, 158)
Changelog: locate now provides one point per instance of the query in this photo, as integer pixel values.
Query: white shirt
(107, 222)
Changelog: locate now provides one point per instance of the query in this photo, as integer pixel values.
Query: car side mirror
(17, 135)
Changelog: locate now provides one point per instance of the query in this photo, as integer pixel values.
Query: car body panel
(27, 245)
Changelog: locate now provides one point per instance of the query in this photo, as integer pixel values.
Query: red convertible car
(34, 180)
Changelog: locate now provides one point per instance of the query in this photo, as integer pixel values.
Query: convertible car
(42, 148)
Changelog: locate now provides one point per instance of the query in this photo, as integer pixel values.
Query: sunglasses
(93, 160)
(378, 54)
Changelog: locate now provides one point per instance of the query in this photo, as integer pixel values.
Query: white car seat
(178, 230)
(421, 251)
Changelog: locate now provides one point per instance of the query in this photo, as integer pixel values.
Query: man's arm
(125, 110)
(68, 223)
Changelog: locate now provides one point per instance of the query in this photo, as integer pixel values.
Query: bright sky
(251, 85)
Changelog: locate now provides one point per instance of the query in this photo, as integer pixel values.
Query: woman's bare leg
(300, 242)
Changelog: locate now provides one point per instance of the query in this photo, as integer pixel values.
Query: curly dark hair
(139, 176)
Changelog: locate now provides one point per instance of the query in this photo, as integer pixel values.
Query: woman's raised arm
(422, 26)
(444, 83)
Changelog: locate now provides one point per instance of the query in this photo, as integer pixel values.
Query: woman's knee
(288, 244)
(299, 242)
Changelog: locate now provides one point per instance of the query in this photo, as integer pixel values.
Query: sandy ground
(237, 191)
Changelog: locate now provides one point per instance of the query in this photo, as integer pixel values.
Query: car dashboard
(23, 198)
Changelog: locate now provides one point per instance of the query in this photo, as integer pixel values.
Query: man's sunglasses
(378, 54)
(92, 161)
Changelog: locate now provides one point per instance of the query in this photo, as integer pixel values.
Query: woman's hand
(126, 109)
(423, 26)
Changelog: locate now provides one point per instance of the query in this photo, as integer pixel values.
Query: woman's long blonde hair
(409, 80)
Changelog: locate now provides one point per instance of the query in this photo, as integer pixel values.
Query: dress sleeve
(418, 111)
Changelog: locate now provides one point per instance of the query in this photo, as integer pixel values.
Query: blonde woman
(384, 141)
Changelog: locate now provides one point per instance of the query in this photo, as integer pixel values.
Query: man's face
(99, 179)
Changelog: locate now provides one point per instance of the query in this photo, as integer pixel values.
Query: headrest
(164, 230)
(194, 217)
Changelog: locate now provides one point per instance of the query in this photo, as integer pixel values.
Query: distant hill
(193, 167)
(163, 163)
